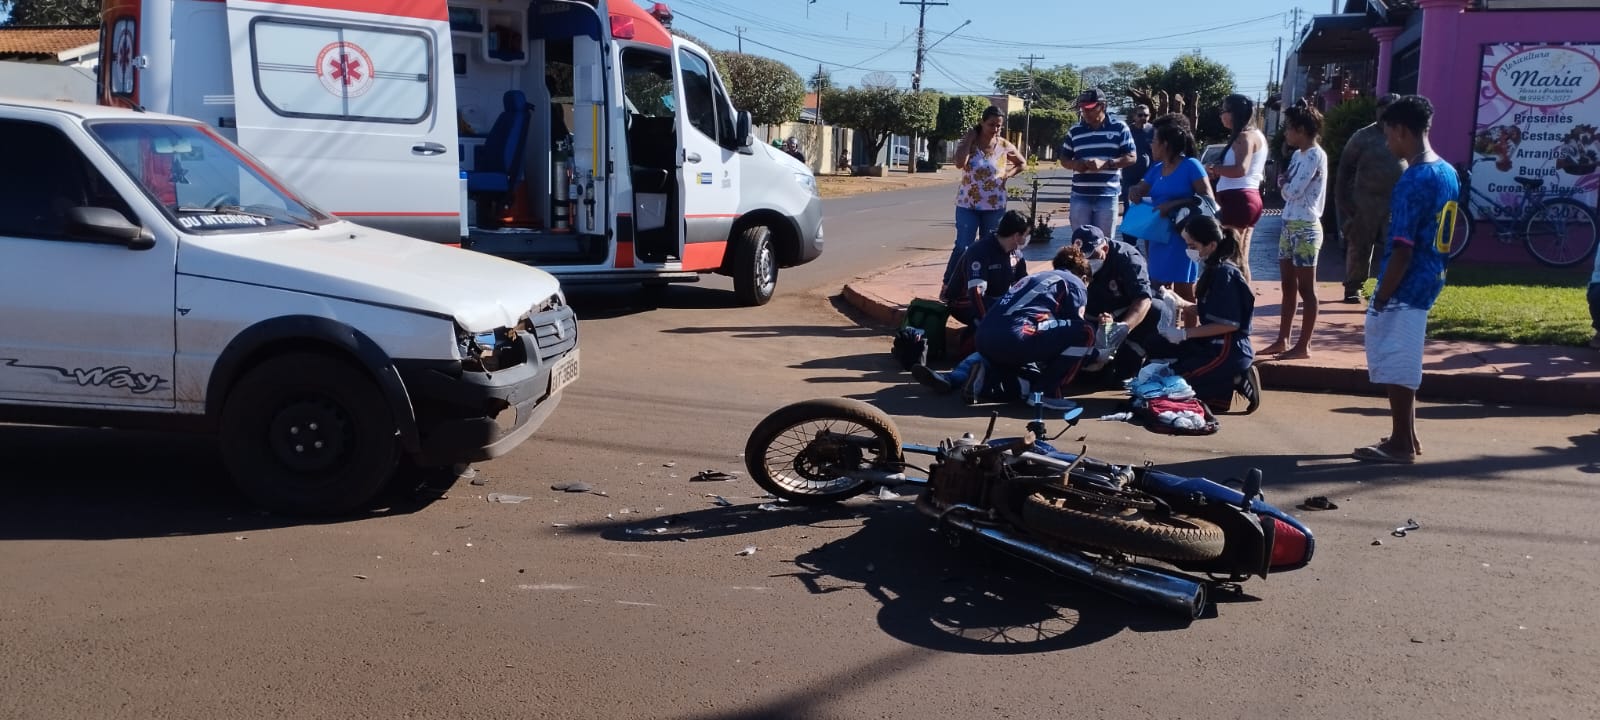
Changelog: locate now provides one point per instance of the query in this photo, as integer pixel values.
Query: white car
(155, 276)
(901, 152)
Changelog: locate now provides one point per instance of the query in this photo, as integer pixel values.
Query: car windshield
(203, 182)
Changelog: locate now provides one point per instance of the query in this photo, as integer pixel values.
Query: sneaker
(1109, 343)
(1250, 388)
(936, 380)
(1352, 297)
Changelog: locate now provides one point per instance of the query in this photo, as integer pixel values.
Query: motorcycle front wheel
(804, 452)
(1117, 527)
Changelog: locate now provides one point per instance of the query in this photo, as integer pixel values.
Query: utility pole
(916, 77)
(739, 30)
(1027, 104)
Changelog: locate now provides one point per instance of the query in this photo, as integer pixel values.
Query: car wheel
(755, 266)
(305, 433)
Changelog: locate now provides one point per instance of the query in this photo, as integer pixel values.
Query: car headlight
(807, 181)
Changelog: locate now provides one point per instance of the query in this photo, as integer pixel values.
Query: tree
(1056, 87)
(1045, 129)
(1123, 75)
(882, 112)
(1202, 82)
(52, 12)
(957, 115)
(770, 90)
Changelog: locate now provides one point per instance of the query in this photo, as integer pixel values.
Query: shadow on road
(930, 595)
(598, 302)
(88, 484)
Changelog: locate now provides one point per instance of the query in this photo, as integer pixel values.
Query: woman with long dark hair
(987, 160)
(1174, 179)
(1239, 176)
(1216, 357)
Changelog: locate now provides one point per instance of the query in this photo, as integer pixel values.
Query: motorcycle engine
(959, 481)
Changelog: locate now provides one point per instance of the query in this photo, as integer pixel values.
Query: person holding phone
(987, 160)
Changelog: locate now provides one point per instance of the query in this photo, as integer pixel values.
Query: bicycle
(1557, 231)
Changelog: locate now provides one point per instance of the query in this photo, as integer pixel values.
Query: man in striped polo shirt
(1096, 150)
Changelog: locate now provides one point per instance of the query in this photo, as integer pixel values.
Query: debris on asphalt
(776, 507)
(669, 464)
(720, 501)
(601, 493)
(359, 577)
(573, 487)
(884, 493)
(507, 499)
(1406, 528)
(748, 551)
(558, 524)
(473, 475)
(712, 476)
(240, 537)
(1377, 542)
(1318, 502)
(765, 496)
(645, 531)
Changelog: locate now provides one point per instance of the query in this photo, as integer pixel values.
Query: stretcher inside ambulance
(581, 137)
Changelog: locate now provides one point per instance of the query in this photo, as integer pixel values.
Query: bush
(1337, 127)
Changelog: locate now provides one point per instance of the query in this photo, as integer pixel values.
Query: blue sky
(854, 37)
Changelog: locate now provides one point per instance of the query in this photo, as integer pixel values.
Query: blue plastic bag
(1144, 221)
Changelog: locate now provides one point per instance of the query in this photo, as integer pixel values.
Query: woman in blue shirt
(1216, 357)
(1175, 178)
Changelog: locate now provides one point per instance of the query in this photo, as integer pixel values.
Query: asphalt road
(137, 585)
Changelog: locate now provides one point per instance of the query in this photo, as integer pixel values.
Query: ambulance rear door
(353, 101)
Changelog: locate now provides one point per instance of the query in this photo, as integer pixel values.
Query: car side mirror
(104, 225)
(742, 129)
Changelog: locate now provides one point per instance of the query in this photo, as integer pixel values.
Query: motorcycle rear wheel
(800, 451)
(1119, 528)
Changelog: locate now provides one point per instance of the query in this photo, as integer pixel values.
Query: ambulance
(578, 136)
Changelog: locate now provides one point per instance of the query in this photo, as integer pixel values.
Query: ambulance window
(343, 72)
(725, 125)
(44, 177)
(647, 83)
(698, 100)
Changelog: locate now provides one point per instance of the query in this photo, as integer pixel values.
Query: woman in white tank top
(1238, 178)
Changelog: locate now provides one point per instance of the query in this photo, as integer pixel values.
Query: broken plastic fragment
(572, 487)
(749, 550)
(884, 493)
(669, 464)
(360, 577)
(775, 507)
(507, 499)
(720, 501)
(712, 476)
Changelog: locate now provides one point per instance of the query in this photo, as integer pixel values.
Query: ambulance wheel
(755, 266)
(305, 433)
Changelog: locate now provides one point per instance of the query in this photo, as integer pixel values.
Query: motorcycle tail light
(1290, 547)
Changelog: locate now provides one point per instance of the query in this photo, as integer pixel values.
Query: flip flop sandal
(1386, 440)
(1373, 453)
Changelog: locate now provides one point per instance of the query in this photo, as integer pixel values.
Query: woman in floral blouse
(987, 160)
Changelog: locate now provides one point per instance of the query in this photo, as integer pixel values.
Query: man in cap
(1095, 150)
(1119, 292)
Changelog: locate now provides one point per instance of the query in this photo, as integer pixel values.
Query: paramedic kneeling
(1119, 291)
(1040, 320)
(1216, 358)
(985, 271)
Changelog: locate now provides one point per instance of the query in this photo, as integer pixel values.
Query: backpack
(1153, 414)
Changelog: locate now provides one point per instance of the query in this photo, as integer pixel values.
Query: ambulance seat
(497, 166)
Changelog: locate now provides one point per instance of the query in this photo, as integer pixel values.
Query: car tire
(308, 434)
(755, 266)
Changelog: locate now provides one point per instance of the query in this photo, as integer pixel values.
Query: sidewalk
(1452, 370)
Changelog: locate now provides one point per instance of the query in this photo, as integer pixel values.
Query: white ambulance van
(577, 136)
(155, 277)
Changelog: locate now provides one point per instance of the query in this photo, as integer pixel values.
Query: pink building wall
(1452, 54)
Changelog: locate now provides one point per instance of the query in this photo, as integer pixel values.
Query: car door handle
(427, 148)
(693, 157)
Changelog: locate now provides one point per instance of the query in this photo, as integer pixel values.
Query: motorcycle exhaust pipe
(1145, 586)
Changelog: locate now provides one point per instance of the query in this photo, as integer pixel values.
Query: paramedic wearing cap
(1096, 150)
(1119, 290)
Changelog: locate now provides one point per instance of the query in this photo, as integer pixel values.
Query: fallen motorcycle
(1085, 519)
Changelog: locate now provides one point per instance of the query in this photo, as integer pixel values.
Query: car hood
(361, 264)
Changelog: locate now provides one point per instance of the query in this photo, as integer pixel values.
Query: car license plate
(565, 372)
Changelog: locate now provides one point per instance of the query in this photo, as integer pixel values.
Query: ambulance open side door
(707, 128)
(354, 103)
